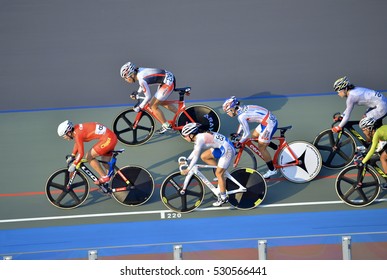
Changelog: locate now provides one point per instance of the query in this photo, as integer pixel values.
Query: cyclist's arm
(147, 93)
(78, 148)
(346, 114)
(194, 156)
(371, 150)
(243, 126)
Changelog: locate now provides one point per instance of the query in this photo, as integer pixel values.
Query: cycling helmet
(190, 128)
(65, 127)
(367, 123)
(341, 83)
(230, 103)
(127, 69)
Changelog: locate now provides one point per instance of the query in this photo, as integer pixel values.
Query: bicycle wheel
(182, 203)
(127, 134)
(202, 114)
(310, 162)
(353, 195)
(140, 188)
(335, 158)
(248, 159)
(61, 195)
(253, 182)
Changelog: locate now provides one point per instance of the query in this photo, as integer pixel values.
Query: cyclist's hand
(337, 118)
(72, 167)
(184, 172)
(69, 159)
(133, 95)
(234, 136)
(336, 129)
(136, 109)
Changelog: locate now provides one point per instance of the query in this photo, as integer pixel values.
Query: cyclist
(264, 131)
(219, 151)
(86, 132)
(146, 77)
(379, 136)
(375, 101)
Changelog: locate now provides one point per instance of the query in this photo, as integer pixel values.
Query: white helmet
(341, 83)
(127, 69)
(65, 127)
(190, 128)
(367, 123)
(230, 103)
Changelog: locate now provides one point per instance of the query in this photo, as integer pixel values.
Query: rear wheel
(139, 190)
(64, 195)
(255, 185)
(202, 114)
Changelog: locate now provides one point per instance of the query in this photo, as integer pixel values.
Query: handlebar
(183, 163)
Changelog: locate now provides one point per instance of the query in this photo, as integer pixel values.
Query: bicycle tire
(310, 162)
(141, 186)
(339, 158)
(248, 159)
(182, 203)
(202, 114)
(256, 187)
(126, 134)
(58, 193)
(352, 195)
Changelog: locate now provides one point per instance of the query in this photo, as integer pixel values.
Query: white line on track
(163, 212)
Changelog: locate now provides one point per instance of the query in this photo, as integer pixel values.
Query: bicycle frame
(195, 170)
(180, 109)
(283, 144)
(349, 126)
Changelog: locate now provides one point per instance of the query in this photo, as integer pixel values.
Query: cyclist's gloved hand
(136, 109)
(69, 159)
(72, 167)
(234, 136)
(133, 95)
(336, 129)
(337, 118)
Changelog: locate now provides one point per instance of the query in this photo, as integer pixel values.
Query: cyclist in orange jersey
(146, 77)
(86, 132)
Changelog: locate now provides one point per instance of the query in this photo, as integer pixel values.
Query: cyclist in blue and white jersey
(214, 149)
(146, 77)
(264, 131)
(375, 101)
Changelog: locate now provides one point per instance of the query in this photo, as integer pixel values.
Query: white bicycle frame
(195, 170)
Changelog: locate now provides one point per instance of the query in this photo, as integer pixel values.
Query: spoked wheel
(65, 196)
(133, 128)
(351, 193)
(139, 190)
(253, 182)
(337, 157)
(183, 203)
(248, 159)
(310, 162)
(202, 114)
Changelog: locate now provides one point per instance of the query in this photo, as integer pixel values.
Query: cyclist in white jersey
(218, 151)
(375, 101)
(146, 77)
(264, 131)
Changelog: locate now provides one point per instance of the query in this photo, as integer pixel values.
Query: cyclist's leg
(264, 134)
(162, 94)
(102, 148)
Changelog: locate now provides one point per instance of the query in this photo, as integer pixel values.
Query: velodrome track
(32, 228)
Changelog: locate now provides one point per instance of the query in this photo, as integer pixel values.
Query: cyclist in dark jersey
(146, 77)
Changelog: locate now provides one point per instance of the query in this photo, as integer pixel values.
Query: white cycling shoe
(270, 173)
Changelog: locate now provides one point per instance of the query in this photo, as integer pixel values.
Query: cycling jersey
(153, 76)
(365, 97)
(379, 135)
(212, 140)
(86, 132)
(253, 113)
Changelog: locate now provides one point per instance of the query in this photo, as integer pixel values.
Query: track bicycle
(298, 161)
(246, 188)
(135, 129)
(360, 186)
(338, 149)
(130, 185)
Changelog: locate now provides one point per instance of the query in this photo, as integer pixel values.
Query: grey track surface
(58, 53)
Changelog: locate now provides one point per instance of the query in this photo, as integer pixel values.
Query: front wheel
(173, 199)
(139, 189)
(255, 185)
(202, 114)
(246, 159)
(309, 158)
(64, 194)
(133, 128)
(357, 195)
(334, 155)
